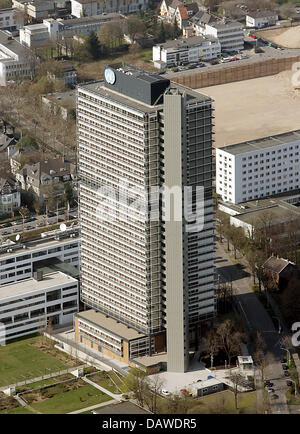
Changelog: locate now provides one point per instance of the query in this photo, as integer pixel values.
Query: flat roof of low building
(151, 360)
(244, 359)
(121, 408)
(82, 20)
(109, 324)
(48, 241)
(27, 286)
(13, 45)
(206, 383)
(188, 42)
(261, 14)
(262, 143)
(221, 25)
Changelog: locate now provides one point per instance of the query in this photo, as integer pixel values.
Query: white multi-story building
(230, 34)
(37, 34)
(15, 60)
(258, 168)
(87, 8)
(138, 131)
(259, 19)
(28, 305)
(11, 19)
(19, 260)
(182, 51)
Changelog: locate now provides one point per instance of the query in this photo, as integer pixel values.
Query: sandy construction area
(250, 109)
(289, 38)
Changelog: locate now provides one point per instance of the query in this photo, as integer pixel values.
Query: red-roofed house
(181, 16)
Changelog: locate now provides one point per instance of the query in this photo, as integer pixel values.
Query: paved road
(258, 320)
(41, 221)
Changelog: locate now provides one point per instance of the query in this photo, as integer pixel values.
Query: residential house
(68, 74)
(278, 272)
(10, 195)
(259, 19)
(36, 177)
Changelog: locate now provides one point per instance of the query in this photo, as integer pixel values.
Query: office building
(141, 270)
(11, 19)
(229, 33)
(19, 260)
(28, 305)
(88, 8)
(183, 51)
(16, 61)
(258, 168)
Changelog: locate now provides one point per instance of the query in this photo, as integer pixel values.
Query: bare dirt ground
(287, 37)
(249, 109)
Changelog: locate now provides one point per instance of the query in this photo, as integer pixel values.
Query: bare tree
(229, 339)
(213, 345)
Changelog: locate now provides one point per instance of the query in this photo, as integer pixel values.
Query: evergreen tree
(92, 46)
(176, 30)
(162, 34)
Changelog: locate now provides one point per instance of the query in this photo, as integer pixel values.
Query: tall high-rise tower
(144, 146)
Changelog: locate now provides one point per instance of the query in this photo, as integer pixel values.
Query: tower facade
(144, 146)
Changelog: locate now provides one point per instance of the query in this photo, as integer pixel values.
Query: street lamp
(285, 349)
(279, 324)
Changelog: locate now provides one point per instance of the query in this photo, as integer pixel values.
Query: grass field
(17, 410)
(94, 70)
(20, 360)
(223, 402)
(42, 383)
(66, 402)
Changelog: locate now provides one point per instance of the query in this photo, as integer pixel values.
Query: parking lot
(35, 222)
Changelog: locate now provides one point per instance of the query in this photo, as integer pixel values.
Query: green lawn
(103, 380)
(223, 402)
(20, 361)
(17, 410)
(42, 383)
(65, 402)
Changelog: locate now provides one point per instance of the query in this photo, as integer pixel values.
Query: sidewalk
(93, 407)
(113, 395)
(43, 377)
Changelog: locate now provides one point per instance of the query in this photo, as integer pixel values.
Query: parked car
(32, 219)
(6, 232)
(283, 359)
(286, 373)
(200, 65)
(274, 396)
(192, 67)
(185, 392)
(29, 228)
(269, 383)
(51, 214)
(289, 383)
(165, 392)
(270, 390)
(17, 222)
(215, 62)
(16, 230)
(6, 225)
(61, 212)
(71, 217)
(175, 70)
(39, 224)
(285, 367)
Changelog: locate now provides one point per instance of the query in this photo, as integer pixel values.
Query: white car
(165, 392)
